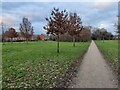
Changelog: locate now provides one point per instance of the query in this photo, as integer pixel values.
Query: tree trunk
(11, 40)
(3, 35)
(26, 36)
(58, 44)
(109, 37)
(103, 39)
(3, 41)
(27, 40)
(74, 41)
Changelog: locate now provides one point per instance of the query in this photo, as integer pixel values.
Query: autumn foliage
(39, 37)
(60, 22)
(74, 25)
(11, 33)
(57, 23)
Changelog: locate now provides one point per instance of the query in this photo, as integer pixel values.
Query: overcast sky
(96, 14)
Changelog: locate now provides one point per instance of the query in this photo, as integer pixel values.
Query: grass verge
(110, 50)
(37, 65)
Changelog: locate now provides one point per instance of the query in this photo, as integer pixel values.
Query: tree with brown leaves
(11, 33)
(57, 24)
(85, 34)
(74, 25)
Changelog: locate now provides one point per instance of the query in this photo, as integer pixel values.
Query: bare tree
(117, 28)
(3, 32)
(26, 29)
(86, 33)
(57, 24)
(101, 34)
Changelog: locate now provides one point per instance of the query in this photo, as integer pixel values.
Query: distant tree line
(25, 34)
(83, 36)
(102, 34)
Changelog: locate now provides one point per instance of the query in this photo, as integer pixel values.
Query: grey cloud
(37, 12)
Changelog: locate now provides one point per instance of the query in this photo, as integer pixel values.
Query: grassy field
(37, 64)
(0, 65)
(110, 50)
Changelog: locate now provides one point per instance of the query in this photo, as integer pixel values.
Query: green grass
(0, 65)
(110, 50)
(37, 64)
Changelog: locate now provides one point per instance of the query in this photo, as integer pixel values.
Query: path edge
(112, 67)
(66, 79)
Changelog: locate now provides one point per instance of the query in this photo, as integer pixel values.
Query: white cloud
(36, 12)
(8, 19)
(102, 5)
(103, 25)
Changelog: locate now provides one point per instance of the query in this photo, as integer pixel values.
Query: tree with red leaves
(39, 37)
(74, 25)
(26, 29)
(57, 24)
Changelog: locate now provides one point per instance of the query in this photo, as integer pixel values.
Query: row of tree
(101, 34)
(60, 22)
(85, 35)
(26, 31)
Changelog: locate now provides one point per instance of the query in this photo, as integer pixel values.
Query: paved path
(94, 71)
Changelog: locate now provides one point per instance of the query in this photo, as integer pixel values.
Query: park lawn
(37, 65)
(110, 50)
(0, 65)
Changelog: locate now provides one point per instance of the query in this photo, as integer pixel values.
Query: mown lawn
(110, 50)
(0, 65)
(37, 64)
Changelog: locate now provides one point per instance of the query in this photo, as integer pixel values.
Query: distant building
(20, 37)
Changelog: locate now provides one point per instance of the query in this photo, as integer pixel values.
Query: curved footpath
(94, 72)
